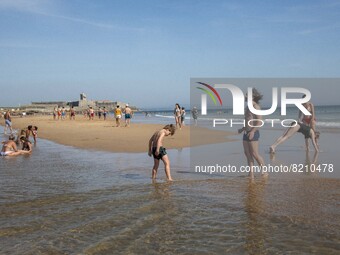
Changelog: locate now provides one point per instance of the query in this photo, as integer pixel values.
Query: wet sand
(105, 203)
(105, 136)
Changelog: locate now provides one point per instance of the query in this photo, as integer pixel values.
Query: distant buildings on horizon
(80, 105)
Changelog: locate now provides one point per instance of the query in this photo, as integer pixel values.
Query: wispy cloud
(310, 31)
(25, 5)
(316, 6)
(77, 20)
(21, 45)
(47, 8)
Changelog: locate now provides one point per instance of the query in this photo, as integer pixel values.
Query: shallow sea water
(62, 200)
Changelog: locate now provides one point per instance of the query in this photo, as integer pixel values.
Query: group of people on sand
(179, 113)
(60, 113)
(251, 134)
(10, 147)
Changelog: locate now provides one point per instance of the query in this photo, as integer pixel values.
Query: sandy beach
(105, 136)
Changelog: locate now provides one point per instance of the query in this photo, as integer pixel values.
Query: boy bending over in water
(159, 152)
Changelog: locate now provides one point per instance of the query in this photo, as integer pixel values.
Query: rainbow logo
(209, 92)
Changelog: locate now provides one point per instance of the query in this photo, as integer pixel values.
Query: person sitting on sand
(159, 152)
(9, 148)
(20, 136)
(307, 131)
(26, 144)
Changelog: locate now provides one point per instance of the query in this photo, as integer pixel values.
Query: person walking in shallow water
(194, 113)
(251, 134)
(158, 152)
(183, 113)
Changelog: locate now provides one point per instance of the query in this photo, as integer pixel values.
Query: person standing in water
(35, 133)
(308, 120)
(251, 134)
(158, 152)
(194, 113)
(183, 113)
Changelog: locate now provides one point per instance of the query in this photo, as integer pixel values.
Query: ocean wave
(328, 124)
(325, 124)
(164, 116)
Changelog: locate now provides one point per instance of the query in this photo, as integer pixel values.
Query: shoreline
(102, 135)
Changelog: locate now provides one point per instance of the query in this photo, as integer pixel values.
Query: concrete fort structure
(80, 105)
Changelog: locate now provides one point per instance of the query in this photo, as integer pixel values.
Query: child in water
(35, 133)
(159, 152)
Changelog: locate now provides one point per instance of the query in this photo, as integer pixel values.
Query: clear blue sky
(145, 52)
